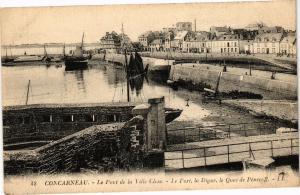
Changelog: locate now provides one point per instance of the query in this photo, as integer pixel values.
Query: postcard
(149, 97)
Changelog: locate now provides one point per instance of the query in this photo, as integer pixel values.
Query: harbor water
(99, 83)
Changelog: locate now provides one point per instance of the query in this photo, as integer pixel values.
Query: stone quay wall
(268, 88)
(101, 147)
(51, 122)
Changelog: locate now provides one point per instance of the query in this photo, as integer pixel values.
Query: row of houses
(251, 39)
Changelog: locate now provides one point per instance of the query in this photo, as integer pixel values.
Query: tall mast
(10, 51)
(45, 52)
(64, 50)
(82, 41)
(126, 65)
(127, 76)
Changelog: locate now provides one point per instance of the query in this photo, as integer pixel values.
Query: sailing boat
(135, 70)
(77, 61)
(7, 59)
(46, 58)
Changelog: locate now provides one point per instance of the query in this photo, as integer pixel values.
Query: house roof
(180, 35)
(290, 38)
(227, 37)
(146, 34)
(220, 28)
(268, 37)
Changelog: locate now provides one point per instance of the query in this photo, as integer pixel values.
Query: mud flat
(277, 109)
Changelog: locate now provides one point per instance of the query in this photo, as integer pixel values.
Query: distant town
(254, 38)
(257, 38)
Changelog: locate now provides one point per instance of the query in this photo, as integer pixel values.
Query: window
(263, 50)
(258, 50)
(235, 50)
(110, 118)
(227, 44)
(89, 118)
(273, 50)
(224, 49)
(231, 49)
(235, 44)
(68, 118)
(46, 119)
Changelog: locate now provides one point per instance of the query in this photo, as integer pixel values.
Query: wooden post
(27, 95)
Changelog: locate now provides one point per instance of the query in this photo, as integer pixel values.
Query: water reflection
(100, 83)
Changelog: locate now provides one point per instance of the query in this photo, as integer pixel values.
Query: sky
(66, 24)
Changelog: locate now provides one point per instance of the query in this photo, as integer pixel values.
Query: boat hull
(76, 64)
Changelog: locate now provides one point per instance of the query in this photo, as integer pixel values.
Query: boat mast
(45, 51)
(126, 65)
(82, 41)
(64, 50)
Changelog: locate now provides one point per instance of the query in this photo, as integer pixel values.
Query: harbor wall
(51, 122)
(138, 142)
(104, 147)
(268, 88)
(154, 64)
(213, 57)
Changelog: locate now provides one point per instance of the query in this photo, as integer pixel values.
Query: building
(288, 44)
(254, 26)
(148, 37)
(177, 43)
(246, 38)
(273, 29)
(184, 26)
(226, 43)
(157, 45)
(110, 41)
(267, 43)
(197, 43)
(217, 31)
(168, 36)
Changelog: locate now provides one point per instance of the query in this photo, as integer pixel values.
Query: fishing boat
(29, 58)
(77, 61)
(135, 71)
(7, 59)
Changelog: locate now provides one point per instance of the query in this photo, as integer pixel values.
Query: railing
(195, 134)
(211, 153)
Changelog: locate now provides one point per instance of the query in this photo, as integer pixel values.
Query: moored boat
(77, 60)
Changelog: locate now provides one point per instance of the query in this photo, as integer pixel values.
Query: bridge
(198, 148)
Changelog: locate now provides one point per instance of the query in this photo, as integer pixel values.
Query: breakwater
(259, 62)
(154, 64)
(232, 81)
